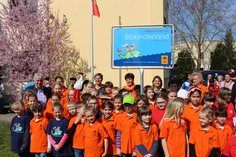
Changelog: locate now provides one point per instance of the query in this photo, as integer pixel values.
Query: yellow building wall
(132, 12)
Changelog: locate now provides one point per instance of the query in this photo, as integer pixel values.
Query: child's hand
(118, 153)
(148, 155)
(134, 154)
(49, 150)
(78, 119)
(104, 154)
(56, 147)
(83, 120)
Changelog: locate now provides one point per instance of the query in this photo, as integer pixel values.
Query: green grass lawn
(5, 148)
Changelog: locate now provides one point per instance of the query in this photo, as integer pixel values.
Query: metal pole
(91, 41)
(120, 79)
(141, 80)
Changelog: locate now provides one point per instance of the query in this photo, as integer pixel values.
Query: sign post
(142, 47)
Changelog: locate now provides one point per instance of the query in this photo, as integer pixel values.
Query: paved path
(6, 117)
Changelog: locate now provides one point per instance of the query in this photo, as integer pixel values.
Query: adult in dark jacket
(43, 93)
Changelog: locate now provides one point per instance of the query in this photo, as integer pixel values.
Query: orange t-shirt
(224, 135)
(175, 137)
(204, 141)
(93, 139)
(203, 89)
(126, 125)
(109, 125)
(131, 90)
(26, 106)
(118, 114)
(191, 116)
(39, 140)
(48, 112)
(78, 138)
(64, 92)
(152, 105)
(144, 137)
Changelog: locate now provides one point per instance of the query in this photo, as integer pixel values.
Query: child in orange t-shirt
(146, 134)
(114, 92)
(126, 126)
(95, 136)
(141, 100)
(71, 109)
(192, 110)
(171, 93)
(225, 131)
(204, 140)
(75, 129)
(118, 107)
(173, 132)
(108, 122)
(48, 112)
(149, 93)
(38, 126)
(64, 91)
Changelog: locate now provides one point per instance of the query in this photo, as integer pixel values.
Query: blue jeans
(79, 152)
(41, 155)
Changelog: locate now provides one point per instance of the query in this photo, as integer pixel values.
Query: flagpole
(91, 41)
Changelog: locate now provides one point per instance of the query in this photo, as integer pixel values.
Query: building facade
(112, 13)
(207, 48)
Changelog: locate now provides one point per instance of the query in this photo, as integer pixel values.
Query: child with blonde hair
(75, 130)
(95, 136)
(173, 132)
(20, 137)
(204, 140)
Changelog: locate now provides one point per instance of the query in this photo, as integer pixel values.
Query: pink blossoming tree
(32, 39)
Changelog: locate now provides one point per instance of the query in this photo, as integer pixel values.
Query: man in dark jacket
(43, 93)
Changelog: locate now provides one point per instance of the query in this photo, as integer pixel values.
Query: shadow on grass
(5, 145)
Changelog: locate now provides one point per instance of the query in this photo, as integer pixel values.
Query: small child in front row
(75, 130)
(95, 136)
(108, 122)
(173, 132)
(20, 131)
(57, 133)
(38, 126)
(204, 140)
(225, 131)
(146, 134)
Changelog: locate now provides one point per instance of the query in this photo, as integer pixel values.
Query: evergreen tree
(230, 53)
(185, 63)
(218, 58)
(223, 57)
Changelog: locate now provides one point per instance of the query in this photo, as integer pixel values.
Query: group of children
(128, 124)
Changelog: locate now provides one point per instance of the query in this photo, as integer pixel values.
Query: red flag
(95, 8)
